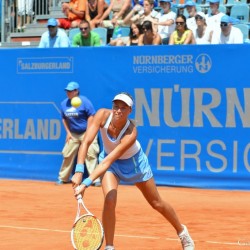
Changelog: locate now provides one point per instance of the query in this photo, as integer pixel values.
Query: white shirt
(205, 39)
(235, 37)
(191, 23)
(213, 21)
(166, 30)
(60, 40)
(109, 144)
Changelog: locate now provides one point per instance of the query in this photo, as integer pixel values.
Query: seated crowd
(147, 26)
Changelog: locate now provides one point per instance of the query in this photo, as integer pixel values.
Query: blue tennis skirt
(132, 170)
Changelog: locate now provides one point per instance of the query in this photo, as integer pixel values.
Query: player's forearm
(82, 153)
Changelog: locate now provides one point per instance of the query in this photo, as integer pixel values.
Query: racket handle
(79, 196)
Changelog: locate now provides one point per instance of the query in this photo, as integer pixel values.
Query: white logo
(203, 63)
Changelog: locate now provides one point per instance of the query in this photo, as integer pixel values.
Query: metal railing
(15, 15)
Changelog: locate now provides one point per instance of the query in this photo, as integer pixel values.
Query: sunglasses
(223, 24)
(198, 18)
(83, 28)
(179, 23)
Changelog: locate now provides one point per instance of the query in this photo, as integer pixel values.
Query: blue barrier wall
(191, 105)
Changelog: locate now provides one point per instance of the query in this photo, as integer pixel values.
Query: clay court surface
(39, 215)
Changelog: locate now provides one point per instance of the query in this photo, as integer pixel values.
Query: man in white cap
(191, 10)
(54, 37)
(213, 18)
(166, 21)
(228, 34)
(75, 121)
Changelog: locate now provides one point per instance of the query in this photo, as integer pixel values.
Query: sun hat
(200, 13)
(52, 22)
(189, 3)
(124, 98)
(72, 86)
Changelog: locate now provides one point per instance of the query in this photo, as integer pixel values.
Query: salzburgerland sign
(191, 109)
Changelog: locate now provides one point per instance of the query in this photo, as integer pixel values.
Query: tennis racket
(87, 232)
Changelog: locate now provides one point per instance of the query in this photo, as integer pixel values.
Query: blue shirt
(61, 40)
(77, 117)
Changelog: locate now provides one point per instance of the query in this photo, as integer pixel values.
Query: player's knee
(157, 205)
(110, 200)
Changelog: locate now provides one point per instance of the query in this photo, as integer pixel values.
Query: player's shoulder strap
(123, 130)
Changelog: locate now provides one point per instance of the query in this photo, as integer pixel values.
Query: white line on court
(118, 235)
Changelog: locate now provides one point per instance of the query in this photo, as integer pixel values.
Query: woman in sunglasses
(181, 35)
(202, 34)
(149, 36)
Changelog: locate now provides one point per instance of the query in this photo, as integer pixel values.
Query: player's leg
(150, 192)
(109, 186)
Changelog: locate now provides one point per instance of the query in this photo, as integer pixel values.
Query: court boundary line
(120, 235)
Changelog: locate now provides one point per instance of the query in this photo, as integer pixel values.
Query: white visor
(125, 98)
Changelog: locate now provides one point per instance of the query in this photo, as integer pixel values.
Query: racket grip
(79, 196)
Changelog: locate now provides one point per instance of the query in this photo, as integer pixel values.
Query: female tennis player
(122, 159)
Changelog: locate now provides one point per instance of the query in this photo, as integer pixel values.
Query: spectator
(213, 18)
(149, 36)
(74, 12)
(147, 14)
(191, 10)
(54, 37)
(75, 121)
(166, 22)
(24, 13)
(86, 37)
(228, 34)
(203, 33)
(135, 32)
(117, 9)
(181, 35)
(94, 11)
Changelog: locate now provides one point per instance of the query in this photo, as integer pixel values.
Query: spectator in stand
(24, 13)
(119, 9)
(228, 34)
(182, 35)
(74, 11)
(86, 37)
(54, 37)
(166, 21)
(213, 19)
(147, 14)
(203, 33)
(94, 11)
(191, 10)
(149, 36)
(135, 32)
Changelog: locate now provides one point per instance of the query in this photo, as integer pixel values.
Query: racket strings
(88, 234)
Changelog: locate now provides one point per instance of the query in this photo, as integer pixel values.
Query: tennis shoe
(186, 240)
(109, 248)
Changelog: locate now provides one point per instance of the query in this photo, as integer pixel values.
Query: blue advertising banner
(191, 107)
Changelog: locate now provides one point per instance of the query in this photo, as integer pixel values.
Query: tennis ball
(76, 102)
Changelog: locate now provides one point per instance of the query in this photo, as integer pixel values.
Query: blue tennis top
(77, 117)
